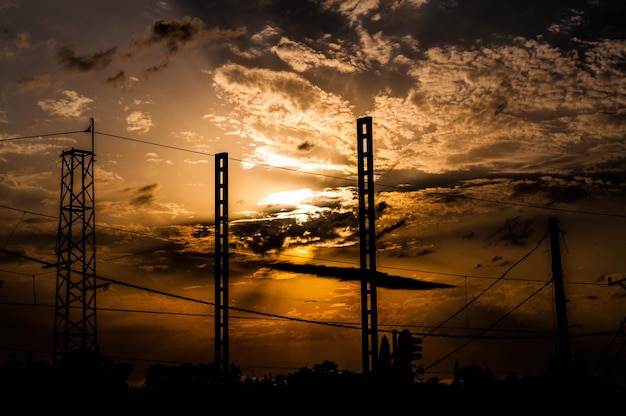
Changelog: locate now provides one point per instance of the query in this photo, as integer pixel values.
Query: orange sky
(489, 118)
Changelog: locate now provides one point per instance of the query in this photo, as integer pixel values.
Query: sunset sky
(489, 118)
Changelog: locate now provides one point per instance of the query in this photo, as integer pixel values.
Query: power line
(305, 172)
(37, 136)
(605, 214)
(482, 293)
(14, 272)
(341, 325)
(156, 144)
(470, 338)
(394, 187)
(139, 233)
(344, 325)
(159, 292)
(497, 280)
(24, 211)
(317, 259)
(299, 171)
(177, 243)
(473, 338)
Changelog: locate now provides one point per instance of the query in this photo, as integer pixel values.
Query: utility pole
(75, 326)
(367, 235)
(612, 282)
(221, 266)
(559, 292)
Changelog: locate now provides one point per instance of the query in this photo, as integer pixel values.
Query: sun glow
(293, 198)
(300, 253)
(291, 204)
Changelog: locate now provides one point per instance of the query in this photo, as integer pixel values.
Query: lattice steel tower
(367, 234)
(75, 306)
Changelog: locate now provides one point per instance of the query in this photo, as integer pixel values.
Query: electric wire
(178, 243)
(276, 316)
(328, 176)
(437, 361)
(464, 307)
(379, 184)
(38, 136)
(473, 338)
(185, 298)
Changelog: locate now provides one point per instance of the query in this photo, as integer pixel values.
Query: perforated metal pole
(221, 265)
(367, 235)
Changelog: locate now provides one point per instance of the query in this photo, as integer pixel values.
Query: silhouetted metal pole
(559, 292)
(221, 266)
(367, 235)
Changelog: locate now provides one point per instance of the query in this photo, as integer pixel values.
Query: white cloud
(73, 106)
(301, 57)
(139, 122)
(292, 122)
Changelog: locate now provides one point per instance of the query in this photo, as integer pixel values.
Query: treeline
(89, 377)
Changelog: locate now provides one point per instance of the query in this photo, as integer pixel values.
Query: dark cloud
(308, 18)
(305, 146)
(263, 236)
(418, 180)
(440, 23)
(175, 32)
(554, 191)
(274, 234)
(67, 56)
(381, 206)
(35, 83)
(224, 13)
(503, 148)
(573, 193)
(326, 226)
(391, 228)
(145, 195)
(407, 251)
(299, 19)
(515, 231)
(262, 243)
(158, 67)
(148, 188)
(500, 108)
(352, 274)
(143, 199)
(495, 261)
(117, 80)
